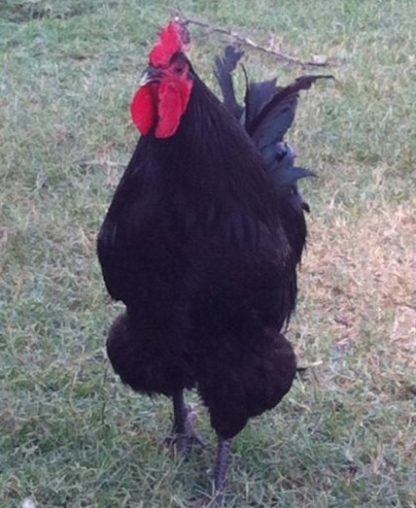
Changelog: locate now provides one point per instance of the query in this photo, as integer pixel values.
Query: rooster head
(166, 85)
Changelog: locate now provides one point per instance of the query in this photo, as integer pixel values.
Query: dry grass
(372, 260)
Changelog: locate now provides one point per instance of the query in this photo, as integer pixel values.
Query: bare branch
(319, 62)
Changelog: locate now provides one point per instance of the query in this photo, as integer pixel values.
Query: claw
(182, 443)
(183, 437)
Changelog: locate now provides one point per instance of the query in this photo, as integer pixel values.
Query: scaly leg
(180, 413)
(221, 467)
(184, 435)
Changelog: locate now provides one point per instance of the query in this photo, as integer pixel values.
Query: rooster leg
(184, 418)
(221, 467)
(180, 413)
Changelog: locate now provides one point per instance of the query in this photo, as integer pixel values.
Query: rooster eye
(178, 69)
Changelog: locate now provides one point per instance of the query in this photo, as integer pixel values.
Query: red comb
(172, 40)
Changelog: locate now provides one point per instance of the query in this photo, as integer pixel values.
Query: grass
(70, 434)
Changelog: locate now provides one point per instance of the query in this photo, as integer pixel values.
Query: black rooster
(201, 243)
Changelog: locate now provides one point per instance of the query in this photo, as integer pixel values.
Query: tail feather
(223, 68)
(268, 113)
(256, 98)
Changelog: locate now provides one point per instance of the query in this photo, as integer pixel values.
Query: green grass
(70, 434)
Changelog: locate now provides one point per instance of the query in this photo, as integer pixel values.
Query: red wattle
(143, 108)
(173, 100)
(161, 106)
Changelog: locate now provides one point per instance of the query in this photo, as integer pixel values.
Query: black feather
(256, 97)
(223, 68)
(276, 117)
(268, 113)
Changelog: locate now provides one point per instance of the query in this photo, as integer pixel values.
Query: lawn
(70, 434)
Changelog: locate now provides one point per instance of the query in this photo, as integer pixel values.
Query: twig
(245, 40)
(102, 162)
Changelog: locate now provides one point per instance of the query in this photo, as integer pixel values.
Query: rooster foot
(184, 437)
(183, 443)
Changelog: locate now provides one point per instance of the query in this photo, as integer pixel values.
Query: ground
(70, 434)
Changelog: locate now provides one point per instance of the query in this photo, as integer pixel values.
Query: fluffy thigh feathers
(235, 383)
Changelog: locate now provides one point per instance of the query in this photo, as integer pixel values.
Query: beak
(150, 74)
